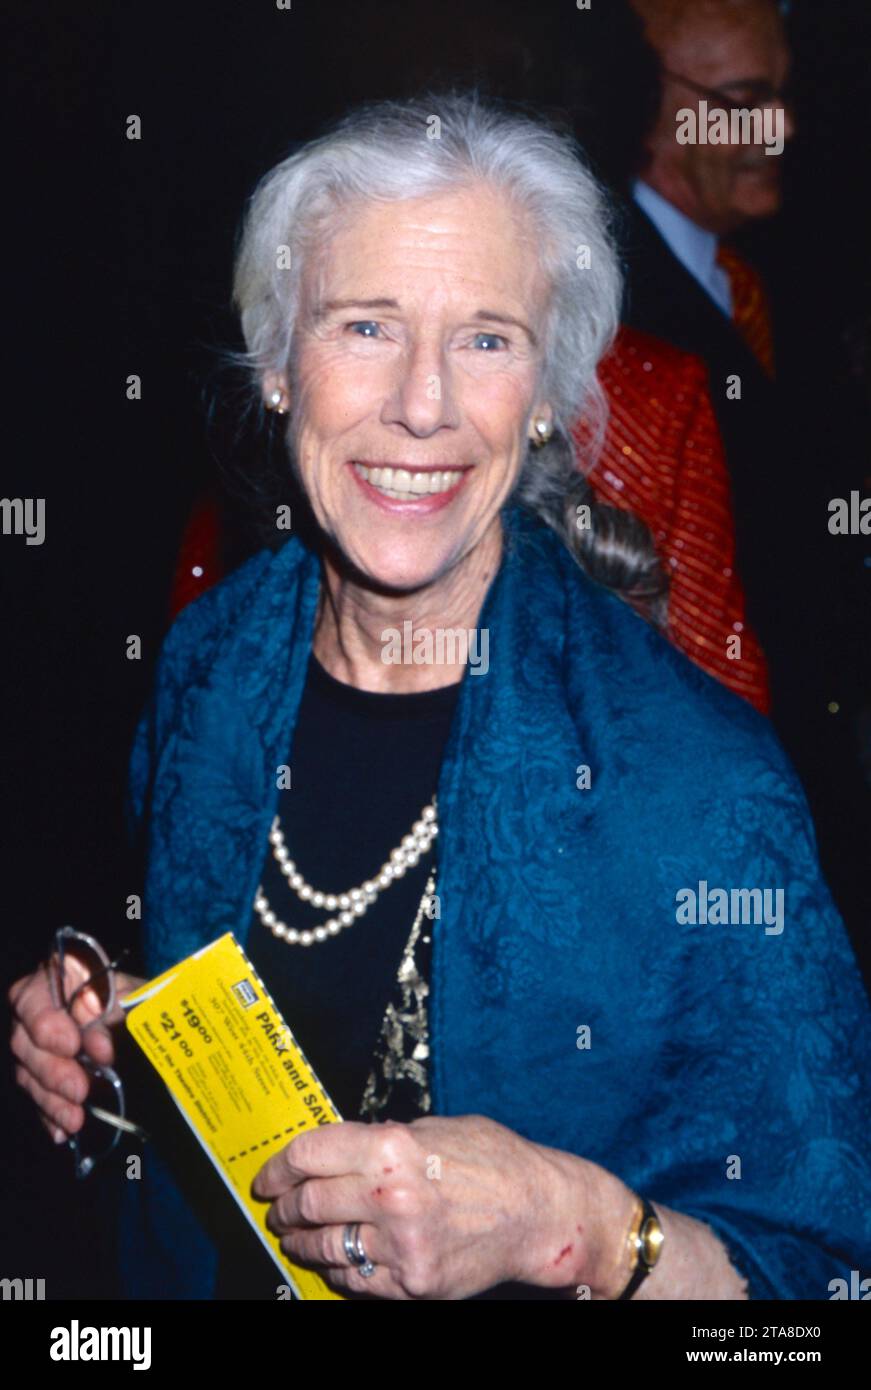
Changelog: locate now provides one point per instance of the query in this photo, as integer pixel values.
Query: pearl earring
(274, 403)
(543, 431)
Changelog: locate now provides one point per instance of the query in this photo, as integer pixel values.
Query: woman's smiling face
(418, 355)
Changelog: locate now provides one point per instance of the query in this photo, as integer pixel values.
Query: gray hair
(393, 151)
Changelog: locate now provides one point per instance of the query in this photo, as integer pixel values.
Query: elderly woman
(483, 898)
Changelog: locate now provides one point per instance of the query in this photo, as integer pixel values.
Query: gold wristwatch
(645, 1241)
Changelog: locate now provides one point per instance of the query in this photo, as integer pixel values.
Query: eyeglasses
(747, 94)
(77, 956)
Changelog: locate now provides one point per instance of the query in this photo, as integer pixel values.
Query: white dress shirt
(694, 247)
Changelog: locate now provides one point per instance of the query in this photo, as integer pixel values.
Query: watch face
(651, 1241)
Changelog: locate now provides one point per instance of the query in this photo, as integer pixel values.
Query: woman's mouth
(424, 489)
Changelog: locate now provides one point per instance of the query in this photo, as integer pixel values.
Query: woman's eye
(365, 328)
(489, 342)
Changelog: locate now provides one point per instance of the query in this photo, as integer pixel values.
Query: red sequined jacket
(663, 459)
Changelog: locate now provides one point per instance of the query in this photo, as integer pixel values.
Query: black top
(362, 767)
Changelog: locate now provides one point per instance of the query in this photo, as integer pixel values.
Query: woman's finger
(324, 1202)
(58, 1135)
(49, 1027)
(333, 1150)
(347, 1279)
(59, 1112)
(97, 1041)
(322, 1247)
(62, 1076)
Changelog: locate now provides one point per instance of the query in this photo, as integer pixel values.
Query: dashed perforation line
(252, 1148)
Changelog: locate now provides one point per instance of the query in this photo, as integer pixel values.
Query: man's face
(743, 54)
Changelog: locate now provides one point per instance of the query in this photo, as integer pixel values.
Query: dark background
(119, 262)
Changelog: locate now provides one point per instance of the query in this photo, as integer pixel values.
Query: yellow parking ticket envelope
(211, 1031)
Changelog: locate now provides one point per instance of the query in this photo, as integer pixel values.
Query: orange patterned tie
(750, 310)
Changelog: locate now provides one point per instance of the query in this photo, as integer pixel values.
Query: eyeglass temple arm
(694, 86)
(717, 92)
(118, 1122)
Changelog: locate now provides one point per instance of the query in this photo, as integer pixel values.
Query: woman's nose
(422, 396)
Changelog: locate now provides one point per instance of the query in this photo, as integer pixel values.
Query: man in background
(789, 449)
(687, 284)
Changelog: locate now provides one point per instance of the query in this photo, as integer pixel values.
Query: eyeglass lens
(81, 977)
(99, 1134)
(81, 981)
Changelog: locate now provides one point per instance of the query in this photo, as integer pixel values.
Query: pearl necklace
(356, 901)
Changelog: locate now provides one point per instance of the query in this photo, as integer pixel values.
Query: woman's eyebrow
(333, 306)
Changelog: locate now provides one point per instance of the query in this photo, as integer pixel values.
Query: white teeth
(402, 484)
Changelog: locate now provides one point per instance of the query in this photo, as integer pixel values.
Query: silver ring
(354, 1250)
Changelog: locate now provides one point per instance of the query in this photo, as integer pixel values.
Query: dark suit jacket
(662, 298)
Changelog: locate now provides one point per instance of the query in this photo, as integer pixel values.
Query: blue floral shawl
(727, 1068)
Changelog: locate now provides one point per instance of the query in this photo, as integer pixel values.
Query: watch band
(645, 1239)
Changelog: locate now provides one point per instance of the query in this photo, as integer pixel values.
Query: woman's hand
(448, 1207)
(46, 1041)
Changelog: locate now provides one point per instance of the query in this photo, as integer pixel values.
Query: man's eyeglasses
(82, 981)
(745, 94)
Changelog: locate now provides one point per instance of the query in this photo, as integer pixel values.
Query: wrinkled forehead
(473, 239)
(721, 43)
